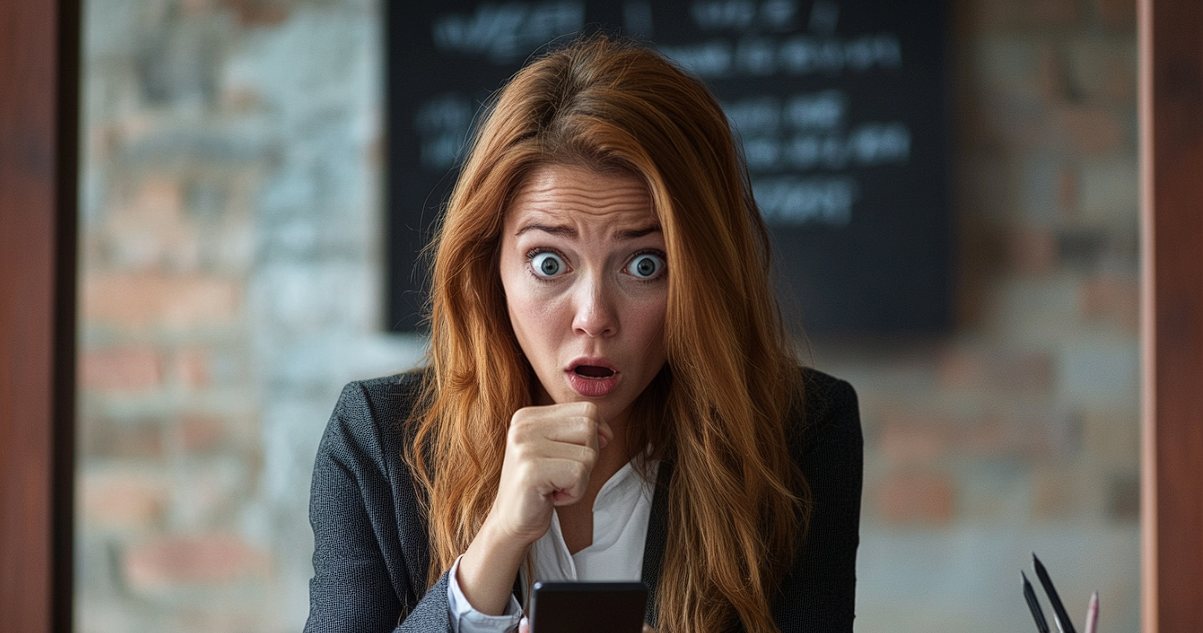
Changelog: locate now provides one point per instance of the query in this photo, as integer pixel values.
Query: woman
(610, 392)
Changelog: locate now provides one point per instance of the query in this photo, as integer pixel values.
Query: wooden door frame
(1171, 157)
(39, 95)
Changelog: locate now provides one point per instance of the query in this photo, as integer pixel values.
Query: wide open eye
(646, 266)
(547, 264)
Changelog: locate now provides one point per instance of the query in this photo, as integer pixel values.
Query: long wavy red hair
(737, 502)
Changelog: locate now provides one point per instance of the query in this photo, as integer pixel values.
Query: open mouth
(593, 371)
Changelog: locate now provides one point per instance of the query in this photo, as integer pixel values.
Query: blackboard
(841, 106)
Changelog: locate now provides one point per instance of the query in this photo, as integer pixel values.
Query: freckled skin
(603, 239)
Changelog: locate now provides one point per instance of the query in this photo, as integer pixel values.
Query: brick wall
(1020, 430)
(231, 283)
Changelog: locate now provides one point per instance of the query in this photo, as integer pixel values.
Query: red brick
(914, 438)
(1033, 250)
(180, 560)
(148, 228)
(192, 368)
(917, 497)
(138, 438)
(1027, 126)
(162, 194)
(138, 300)
(917, 437)
(123, 500)
(1088, 130)
(1055, 494)
(1119, 15)
(200, 433)
(998, 369)
(1111, 299)
(1023, 14)
(121, 369)
(259, 12)
(240, 99)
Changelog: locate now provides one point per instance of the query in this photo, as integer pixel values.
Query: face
(584, 270)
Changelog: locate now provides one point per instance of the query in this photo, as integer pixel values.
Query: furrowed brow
(630, 234)
(566, 231)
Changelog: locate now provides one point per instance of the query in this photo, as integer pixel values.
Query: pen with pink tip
(1092, 613)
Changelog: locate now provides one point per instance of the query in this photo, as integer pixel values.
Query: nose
(596, 314)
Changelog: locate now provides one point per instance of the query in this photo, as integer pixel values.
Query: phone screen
(588, 607)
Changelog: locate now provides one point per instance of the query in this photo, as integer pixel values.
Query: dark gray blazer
(371, 547)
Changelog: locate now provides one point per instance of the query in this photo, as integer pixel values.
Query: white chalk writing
(792, 201)
(507, 32)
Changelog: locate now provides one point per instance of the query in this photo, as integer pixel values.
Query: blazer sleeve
(365, 561)
(819, 594)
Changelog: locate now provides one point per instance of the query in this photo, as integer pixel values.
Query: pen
(1033, 604)
(1060, 616)
(1092, 613)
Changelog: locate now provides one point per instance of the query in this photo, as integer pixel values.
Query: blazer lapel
(657, 538)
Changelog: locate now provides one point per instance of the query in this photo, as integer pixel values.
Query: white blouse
(620, 516)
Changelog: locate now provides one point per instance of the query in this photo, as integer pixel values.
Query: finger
(648, 629)
(604, 434)
(582, 423)
(587, 455)
(557, 426)
(602, 430)
(524, 625)
(585, 430)
(567, 480)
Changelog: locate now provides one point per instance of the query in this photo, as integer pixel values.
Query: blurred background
(233, 272)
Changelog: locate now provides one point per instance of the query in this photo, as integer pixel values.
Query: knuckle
(585, 425)
(521, 428)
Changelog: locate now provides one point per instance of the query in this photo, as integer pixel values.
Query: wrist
(487, 569)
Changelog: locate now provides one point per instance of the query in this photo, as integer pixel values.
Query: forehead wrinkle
(547, 223)
(562, 223)
(557, 197)
(557, 202)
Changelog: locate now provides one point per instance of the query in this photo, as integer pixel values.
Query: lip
(592, 387)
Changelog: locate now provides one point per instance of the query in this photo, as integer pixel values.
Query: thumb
(524, 625)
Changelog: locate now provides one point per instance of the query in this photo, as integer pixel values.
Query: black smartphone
(587, 607)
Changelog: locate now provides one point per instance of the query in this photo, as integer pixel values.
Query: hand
(549, 455)
(550, 452)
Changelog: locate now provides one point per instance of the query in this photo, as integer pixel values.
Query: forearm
(487, 570)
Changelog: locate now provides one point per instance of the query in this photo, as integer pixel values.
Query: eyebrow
(568, 231)
(630, 234)
(564, 230)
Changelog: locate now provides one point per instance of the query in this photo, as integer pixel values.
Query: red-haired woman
(610, 392)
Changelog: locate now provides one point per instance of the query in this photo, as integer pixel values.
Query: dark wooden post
(39, 77)
(1171, 113)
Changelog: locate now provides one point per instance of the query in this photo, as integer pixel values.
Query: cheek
(530, 317)
(649, 320)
